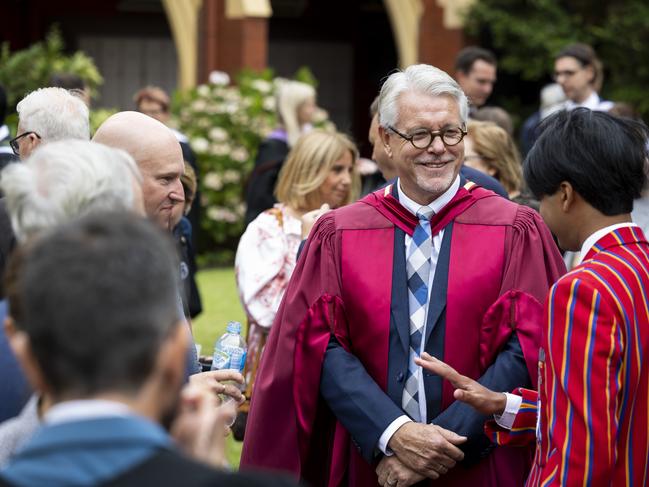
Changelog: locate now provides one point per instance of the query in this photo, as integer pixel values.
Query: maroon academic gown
(502, 263)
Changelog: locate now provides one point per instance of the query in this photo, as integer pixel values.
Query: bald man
(158, 155)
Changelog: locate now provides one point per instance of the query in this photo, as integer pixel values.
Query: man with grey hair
(431, 263)
(46, 115)
(58, 183)
(68, 179)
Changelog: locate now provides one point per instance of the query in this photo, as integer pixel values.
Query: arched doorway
(349, 46)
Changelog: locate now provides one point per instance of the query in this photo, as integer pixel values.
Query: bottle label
(221, 360)
(238, 359)
(229, 358)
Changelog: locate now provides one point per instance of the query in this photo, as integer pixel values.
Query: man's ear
(33, 142)
(385, 140)
(567, 196)
(593, 75)
(22, 348)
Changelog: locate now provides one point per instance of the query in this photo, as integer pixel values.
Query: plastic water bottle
(230, 349)
(230, 353)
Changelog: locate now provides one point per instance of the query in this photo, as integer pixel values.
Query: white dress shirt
(413, 207)
(84, 409)
(593, 102)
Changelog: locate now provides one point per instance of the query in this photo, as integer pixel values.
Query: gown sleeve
(534, 264)
(286, 416)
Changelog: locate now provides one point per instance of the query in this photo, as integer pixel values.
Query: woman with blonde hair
(319, 173)
(490, 149)
(296, 105)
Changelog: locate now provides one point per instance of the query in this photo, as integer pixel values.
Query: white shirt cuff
(389, 431)
(506, 420)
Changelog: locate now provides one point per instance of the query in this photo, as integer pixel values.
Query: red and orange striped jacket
(592, 425)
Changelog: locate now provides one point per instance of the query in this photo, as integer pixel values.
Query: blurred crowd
(343, 269)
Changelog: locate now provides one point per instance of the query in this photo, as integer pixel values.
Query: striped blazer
(590, 416)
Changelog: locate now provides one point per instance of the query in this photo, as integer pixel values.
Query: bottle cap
(234, 327)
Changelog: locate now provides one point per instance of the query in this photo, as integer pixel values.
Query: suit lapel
(399, 313)
(437, 301)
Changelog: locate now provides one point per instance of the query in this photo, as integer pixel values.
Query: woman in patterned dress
(319, 174)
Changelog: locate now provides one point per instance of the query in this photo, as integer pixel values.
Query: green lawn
(220, 305)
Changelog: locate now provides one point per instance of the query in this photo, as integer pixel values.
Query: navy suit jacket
(366, 411)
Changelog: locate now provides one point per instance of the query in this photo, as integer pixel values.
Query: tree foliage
(528, 33)
(31, 68)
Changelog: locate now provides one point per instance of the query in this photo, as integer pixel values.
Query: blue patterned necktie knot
(424, 213)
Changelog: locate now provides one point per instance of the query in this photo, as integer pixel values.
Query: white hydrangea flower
(203, 90)
(213, 181)
(219, 78)
(199, 105)
(221, 214)
(220, 149)
(262, 85)
(217, 134)
(268, 103)
(232, 94)
(200, 144)
(231, 176)
(240, 154)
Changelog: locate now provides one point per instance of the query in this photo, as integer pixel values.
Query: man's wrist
(394, 442)
(512, 404)
(501, 403)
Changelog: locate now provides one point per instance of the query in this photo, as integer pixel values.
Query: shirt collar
(85, 409)
(437, 204)
(4, 132)
(593, 102)
(595, 237)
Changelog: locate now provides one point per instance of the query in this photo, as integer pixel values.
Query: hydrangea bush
(225, 124)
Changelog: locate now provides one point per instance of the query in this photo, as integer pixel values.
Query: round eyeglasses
(423, 138)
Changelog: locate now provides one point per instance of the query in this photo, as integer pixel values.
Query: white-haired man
(431, 263)
(59, 182)
(47, 115)
(44, 115)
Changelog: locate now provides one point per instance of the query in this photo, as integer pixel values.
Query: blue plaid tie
(418, 272)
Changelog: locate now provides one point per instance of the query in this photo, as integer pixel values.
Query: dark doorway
(349, 47)
(129, 40)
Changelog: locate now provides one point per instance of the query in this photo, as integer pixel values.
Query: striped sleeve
(523, 430)
(581, 382)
